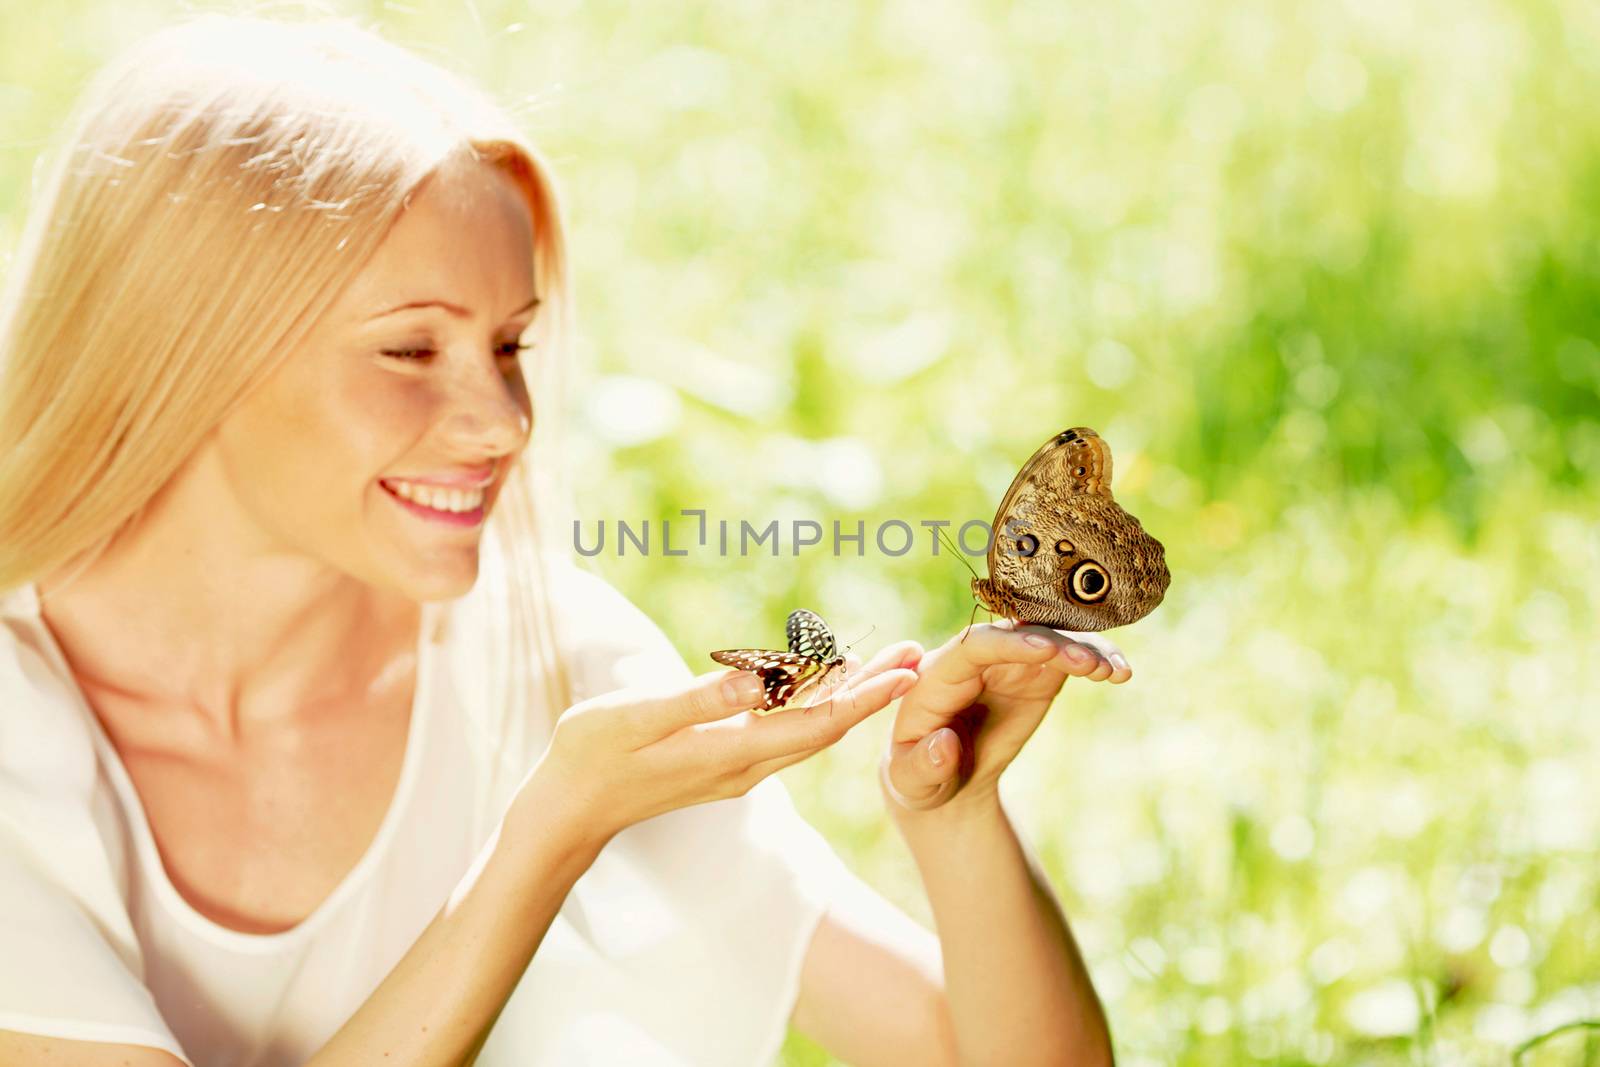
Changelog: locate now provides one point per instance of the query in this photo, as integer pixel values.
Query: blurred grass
(1325, 275)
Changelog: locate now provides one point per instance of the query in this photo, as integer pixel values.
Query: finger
(1080, 660)
(946, 741)
(769, 737)
(1121, 669)
(904, 654)
(922, 774)
(888, 658)
(711, 696)
(1118, 668)
(1084, 654)
(900, 654)
(775, 764)
(986, 645)
(1099, 668)
(1109, 651)
(765, 767)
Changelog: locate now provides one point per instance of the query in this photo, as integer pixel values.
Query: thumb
(918, 775)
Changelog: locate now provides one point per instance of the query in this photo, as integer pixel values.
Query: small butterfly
(812, 657)
(1065, 554)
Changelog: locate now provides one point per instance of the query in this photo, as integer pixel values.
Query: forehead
(466, 233)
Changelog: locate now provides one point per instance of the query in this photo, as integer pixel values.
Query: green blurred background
(1324, 275)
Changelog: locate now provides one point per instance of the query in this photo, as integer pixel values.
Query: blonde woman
(313, 749)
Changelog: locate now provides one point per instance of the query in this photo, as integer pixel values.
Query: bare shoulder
(31, 1050)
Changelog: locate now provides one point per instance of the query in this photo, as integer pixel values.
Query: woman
(283, 777)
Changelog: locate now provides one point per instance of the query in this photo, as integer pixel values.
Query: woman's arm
(436, 1008)
(613, 761)
(872, 985)
(1008, 985)
(28, 1050)
(1015, 984)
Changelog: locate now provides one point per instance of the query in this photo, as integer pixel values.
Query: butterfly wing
(1064, 553)
(1078, 459)
(1073, 461)
(810, 636)
(783, 674)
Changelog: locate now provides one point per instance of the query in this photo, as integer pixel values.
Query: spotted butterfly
(812, 657)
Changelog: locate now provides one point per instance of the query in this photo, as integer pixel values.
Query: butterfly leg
(821, 688)
(970, 620)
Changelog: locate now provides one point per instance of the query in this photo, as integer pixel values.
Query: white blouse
(681, 945)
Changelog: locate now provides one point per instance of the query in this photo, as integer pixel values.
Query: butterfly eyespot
(1089, 582)
(1080, 471)
(1064, 547)
(1027, 545)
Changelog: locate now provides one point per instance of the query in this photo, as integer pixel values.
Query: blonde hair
(220, 183)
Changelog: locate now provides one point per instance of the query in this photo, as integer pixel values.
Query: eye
(504, 350)
(1064, 547)
(1089, 582)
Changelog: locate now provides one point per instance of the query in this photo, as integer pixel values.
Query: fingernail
(741, 690)
(933, 750)
(1038, 640)
(1079, 653)
(903, 688)
(1118, 661)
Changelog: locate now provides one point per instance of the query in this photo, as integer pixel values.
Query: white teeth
(438, 498)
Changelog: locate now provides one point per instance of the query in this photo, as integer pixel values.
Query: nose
(488, 411)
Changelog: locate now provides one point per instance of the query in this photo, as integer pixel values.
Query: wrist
(547, 804)
(971, 802)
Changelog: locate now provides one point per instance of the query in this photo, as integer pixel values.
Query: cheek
(375, 420)
(310, 450)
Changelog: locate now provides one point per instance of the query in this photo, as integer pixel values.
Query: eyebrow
(454, 309)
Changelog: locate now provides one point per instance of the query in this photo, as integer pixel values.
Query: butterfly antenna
(949, 543)
(954, 551)
(860, 639)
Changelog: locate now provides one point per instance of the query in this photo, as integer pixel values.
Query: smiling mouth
(452, 507)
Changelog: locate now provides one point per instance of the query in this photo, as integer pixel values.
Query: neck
(208, 616)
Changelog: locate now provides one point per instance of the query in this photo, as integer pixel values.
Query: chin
(440, 581)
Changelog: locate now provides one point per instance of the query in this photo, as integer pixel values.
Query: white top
(680, 946)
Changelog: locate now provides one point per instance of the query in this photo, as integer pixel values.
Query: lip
(471, 478)
(462, 519)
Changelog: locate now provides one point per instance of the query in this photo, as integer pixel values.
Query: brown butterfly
(1064, 554)
(812, 657)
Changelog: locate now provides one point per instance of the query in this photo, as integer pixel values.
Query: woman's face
(381, 444)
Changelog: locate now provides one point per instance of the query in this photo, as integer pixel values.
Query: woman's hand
(632, 754)
(976, 703)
